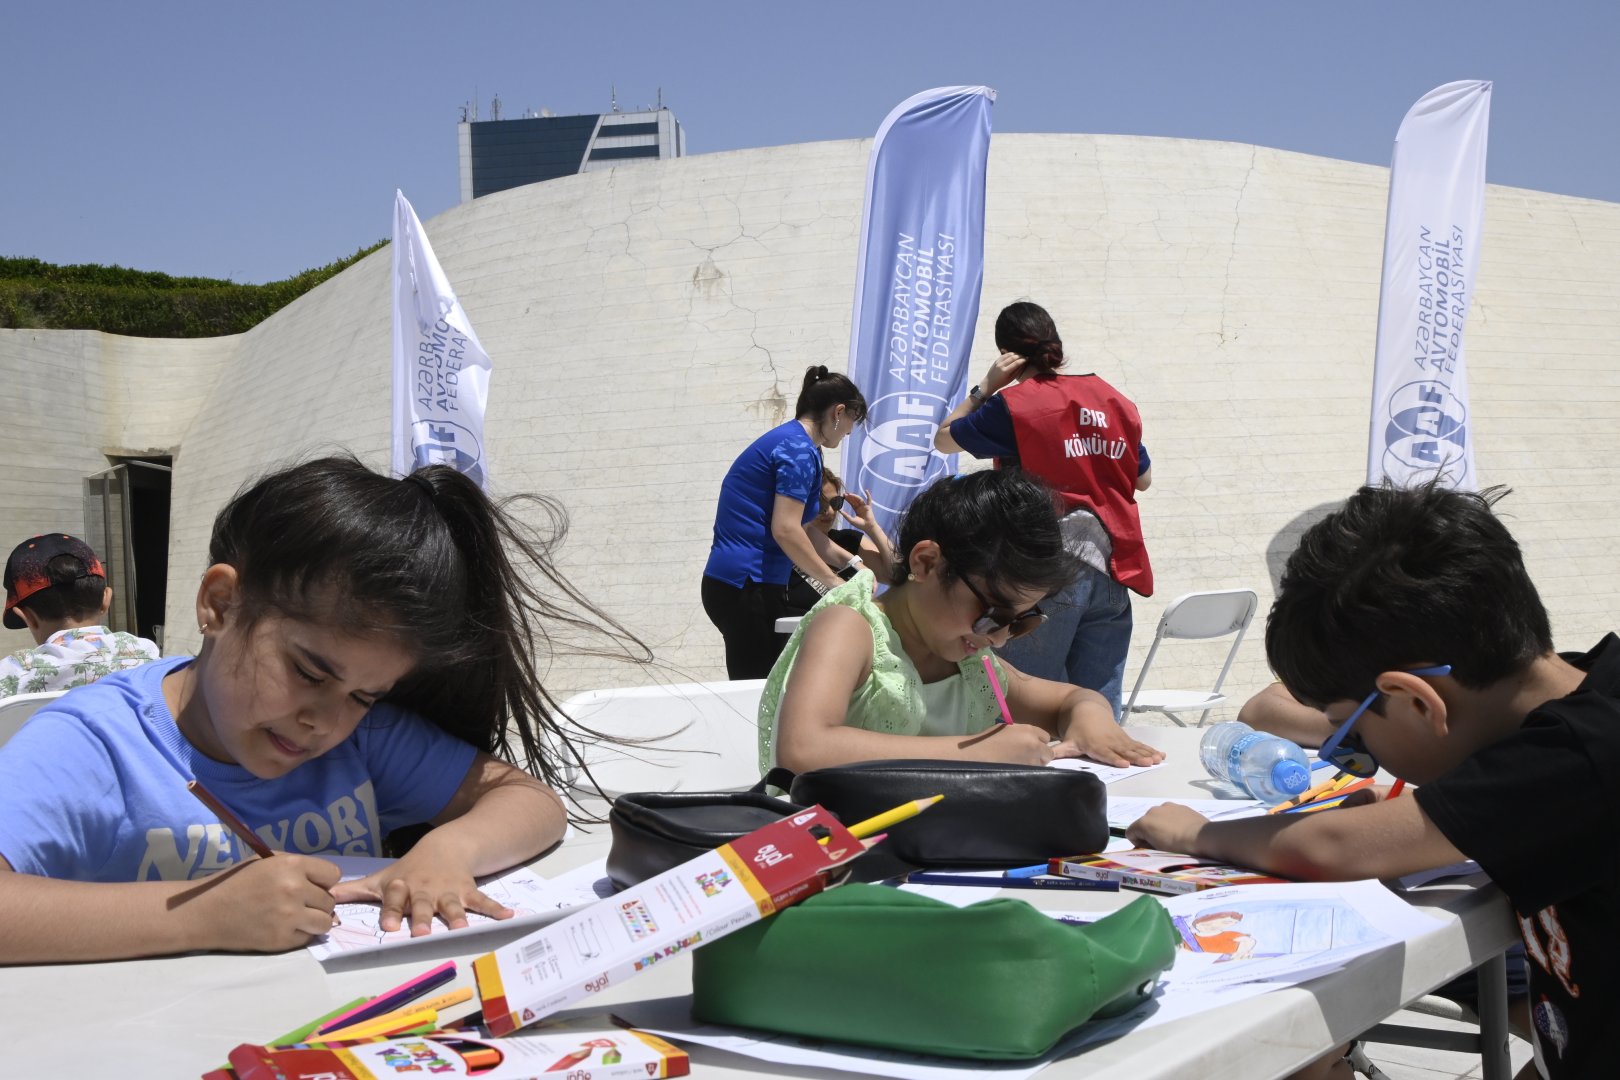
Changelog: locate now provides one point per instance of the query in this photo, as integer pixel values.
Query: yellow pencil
(1306, 796)
(1342, 784)
(447, 999)
(386, 1024)
(1344, 780)
(862, 829)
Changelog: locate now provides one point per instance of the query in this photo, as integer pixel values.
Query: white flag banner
(441, 372)
(1420, 423)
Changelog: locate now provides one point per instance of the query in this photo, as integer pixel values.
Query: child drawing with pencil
(1409, 618)
(363, 667)
(910, 674)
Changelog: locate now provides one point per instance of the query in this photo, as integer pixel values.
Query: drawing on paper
(531, 897)
(1266, 928)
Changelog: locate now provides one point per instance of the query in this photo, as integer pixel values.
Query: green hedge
(37, 295)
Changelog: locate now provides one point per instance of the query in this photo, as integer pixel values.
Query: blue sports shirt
(93, 788)
(783, 461)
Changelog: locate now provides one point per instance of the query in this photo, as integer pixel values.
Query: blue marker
(1048, 881)
(1028, 871)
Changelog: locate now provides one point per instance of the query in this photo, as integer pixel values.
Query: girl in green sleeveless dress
(902, 675)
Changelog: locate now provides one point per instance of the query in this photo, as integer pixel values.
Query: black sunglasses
(997, 618)
(836, 502)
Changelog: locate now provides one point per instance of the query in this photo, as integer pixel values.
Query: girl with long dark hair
(366, 665)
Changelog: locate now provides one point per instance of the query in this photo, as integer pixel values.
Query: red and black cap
(28, 569)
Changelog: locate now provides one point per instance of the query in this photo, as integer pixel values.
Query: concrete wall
(76, 398)
(648, 322)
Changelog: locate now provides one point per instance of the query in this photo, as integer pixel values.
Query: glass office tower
(500, 154)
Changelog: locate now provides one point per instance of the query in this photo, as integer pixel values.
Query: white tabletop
(178, 1017)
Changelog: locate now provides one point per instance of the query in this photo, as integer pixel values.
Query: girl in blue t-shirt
(364, 666)
(769, 494)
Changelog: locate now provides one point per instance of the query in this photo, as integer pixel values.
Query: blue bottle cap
(1290, 777)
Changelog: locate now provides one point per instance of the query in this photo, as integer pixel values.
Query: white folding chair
(1198, 615)
(681, 737)
(14, 710)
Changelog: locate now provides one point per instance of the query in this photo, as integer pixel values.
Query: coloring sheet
(1125, 809)
(1251, 939)
(536, 899)
(1106, 773)
(1466, 868)
(1285, 934)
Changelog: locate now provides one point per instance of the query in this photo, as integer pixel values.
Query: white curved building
(647, 323)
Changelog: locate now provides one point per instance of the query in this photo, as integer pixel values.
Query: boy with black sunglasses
(1516, 747)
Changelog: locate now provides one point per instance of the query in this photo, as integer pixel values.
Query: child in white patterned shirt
(57, 589)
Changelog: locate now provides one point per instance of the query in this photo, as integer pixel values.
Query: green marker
(299, 1034)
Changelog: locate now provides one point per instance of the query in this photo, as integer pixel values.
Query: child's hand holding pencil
(262, 905)
(269, 904)
(1016, 744)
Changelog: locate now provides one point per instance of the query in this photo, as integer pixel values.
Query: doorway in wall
(126, 518)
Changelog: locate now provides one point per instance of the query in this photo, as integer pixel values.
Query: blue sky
(252, 141)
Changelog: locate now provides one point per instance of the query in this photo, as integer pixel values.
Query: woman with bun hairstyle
(1084, 438)
(769, 494)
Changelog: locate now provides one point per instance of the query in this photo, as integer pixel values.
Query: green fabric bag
(877, 966)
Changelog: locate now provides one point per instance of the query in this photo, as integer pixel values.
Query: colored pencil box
(657, 831)
(993, 815)
(877, 966)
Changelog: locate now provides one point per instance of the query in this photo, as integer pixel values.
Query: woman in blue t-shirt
(770, 492)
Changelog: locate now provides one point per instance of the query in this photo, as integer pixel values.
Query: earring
(202, 628)
(910, 576)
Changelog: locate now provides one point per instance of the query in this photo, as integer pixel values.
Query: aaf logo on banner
(440, 442)
(441, 372)
(1419, 426)
(1427, 434)
(897, 454)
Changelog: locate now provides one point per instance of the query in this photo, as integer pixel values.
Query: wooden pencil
(230, 820)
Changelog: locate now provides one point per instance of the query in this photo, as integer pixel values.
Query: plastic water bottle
(1267, 766)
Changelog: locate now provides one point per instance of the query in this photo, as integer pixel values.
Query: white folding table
(177, 1017)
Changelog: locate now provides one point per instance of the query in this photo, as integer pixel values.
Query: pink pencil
(393, 999)
(995, 684)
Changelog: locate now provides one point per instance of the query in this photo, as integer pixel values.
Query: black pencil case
(657, 831)
(993, 815)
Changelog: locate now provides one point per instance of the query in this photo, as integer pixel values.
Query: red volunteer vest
(1083, 437)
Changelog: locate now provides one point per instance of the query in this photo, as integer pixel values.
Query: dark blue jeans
(1084, 640)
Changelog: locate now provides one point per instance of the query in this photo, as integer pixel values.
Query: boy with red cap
(57, 589)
